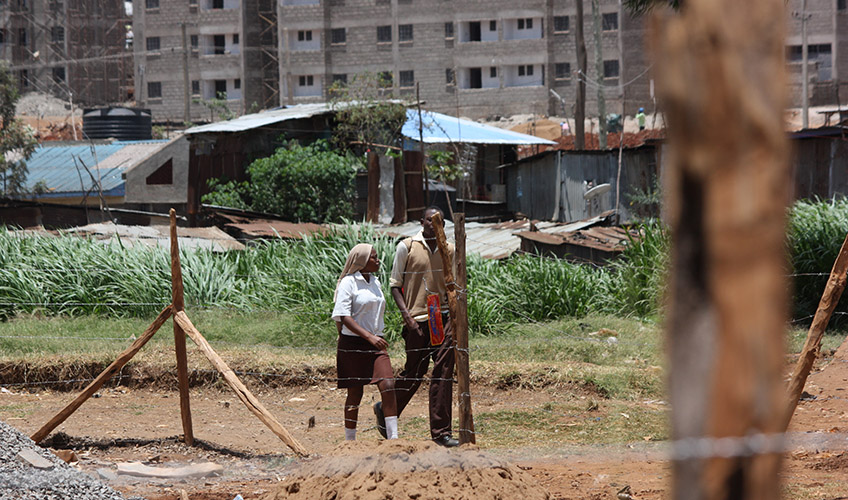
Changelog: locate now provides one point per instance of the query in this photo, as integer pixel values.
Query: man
(640, 118)
(416, 276)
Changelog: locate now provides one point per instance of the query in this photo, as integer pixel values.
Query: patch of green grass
(589, 422)
(15, 411)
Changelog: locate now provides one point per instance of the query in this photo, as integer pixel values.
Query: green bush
(302, 183)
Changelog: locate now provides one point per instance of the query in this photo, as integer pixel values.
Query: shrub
(302, 183)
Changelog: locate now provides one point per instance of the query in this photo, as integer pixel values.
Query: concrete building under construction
(193, 58)
(74, 49)
(196, 59)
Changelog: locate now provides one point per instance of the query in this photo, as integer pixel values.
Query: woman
(361, 358)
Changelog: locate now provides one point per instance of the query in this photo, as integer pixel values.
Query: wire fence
(686, 449)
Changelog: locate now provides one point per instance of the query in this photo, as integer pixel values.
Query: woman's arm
(375, 340)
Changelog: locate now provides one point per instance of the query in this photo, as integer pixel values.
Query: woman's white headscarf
(356, 260)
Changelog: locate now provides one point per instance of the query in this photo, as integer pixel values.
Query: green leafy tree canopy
(302, 183)
(366, 113)
(17, 141)
(643, 6)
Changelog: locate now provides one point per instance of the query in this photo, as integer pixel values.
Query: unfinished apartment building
(468, 57)
(472, 58)
(74, 49)
(827, 50)
(192, 57)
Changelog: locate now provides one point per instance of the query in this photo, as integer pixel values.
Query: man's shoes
(381, 419)
(447, 441)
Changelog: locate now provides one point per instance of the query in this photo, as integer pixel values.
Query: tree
(17, 141)
(301, 183)
(217, 106)
(643, 6)
(444, 167)
(580, 104)
(366, 114)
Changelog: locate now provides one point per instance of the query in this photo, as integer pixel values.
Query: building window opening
(219, 43)
(384, 34)
(610, 22)
(164, 175)
(561, 24)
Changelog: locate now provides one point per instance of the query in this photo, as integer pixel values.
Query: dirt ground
(123, 425)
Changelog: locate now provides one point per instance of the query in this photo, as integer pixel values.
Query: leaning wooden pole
(178, 302)
(827, 304)
(459, 324)
(240, 389)
(721, 75)
(101, 379)
(463, 370)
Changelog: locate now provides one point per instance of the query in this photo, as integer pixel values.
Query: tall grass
(637, 278)
(816, 230)
(73, 276)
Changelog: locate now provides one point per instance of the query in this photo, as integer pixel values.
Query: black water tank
(126, 124)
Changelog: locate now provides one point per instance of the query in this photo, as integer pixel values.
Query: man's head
(427, 221)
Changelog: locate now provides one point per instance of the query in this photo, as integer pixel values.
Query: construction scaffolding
(76, 50)
(268, 48)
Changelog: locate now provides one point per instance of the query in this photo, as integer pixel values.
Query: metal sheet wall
(531, 185)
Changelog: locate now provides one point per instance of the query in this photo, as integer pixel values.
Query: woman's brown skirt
(360, 363)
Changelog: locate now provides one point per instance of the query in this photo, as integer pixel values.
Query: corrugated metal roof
(256, 120)
(278, 229)
(210, 238)
(439, 128)
(498, 240)
(62, 167)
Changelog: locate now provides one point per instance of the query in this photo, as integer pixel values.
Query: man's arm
(396, 284)
(397, 294)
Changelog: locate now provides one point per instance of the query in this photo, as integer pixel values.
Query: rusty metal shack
(820, 163)
(552, 185)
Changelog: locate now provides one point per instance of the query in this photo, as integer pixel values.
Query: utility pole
(580, 104)
(599, 70)
(186, 83)
(805, 112)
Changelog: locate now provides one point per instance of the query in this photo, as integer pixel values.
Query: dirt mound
(401, 469)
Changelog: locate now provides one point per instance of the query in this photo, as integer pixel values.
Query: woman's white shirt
(363, 301)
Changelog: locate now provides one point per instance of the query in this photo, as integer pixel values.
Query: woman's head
(358, 258)
(362, 257)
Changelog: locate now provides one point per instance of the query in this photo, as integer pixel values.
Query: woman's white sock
(350, 434)
(391, 428)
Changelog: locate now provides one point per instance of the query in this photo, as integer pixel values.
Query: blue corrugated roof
(439, 128)
(62, 168)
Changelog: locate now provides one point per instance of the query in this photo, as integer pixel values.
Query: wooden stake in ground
(233, 381)
(459, 320)
(179, 336)
(827, 304)
(720, 70)
(111, 370)
(463, 370)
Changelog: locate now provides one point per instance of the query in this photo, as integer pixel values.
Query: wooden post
(399, 193)
(372, 213)
(179, 336)
(721, 75)
(463, 371)
(98, 382)
(827, 304)
(233, 381)
(459, 323)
